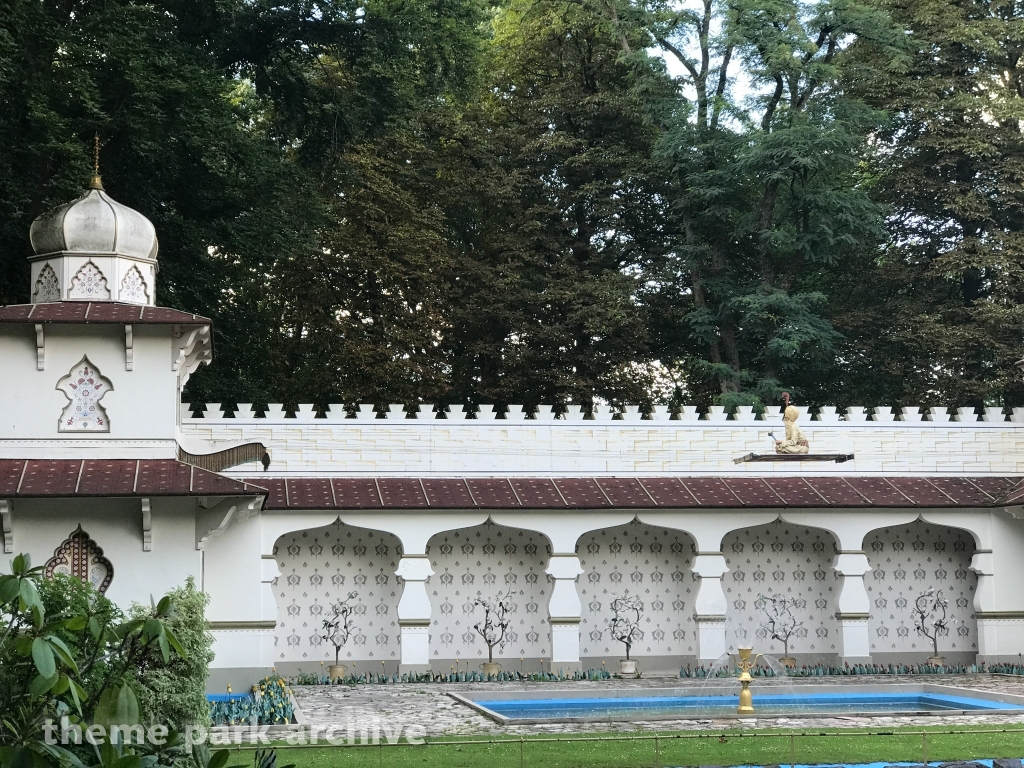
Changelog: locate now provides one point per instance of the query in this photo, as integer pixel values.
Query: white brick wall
(455, 448)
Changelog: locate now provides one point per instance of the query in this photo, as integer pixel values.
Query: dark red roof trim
(638, 493)
(27, 478)
(100, 312)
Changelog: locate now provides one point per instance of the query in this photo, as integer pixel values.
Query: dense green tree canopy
(548, 200)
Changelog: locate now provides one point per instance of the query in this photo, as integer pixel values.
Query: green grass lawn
(762, 747)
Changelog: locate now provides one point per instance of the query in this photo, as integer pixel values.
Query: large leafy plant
(41, 677)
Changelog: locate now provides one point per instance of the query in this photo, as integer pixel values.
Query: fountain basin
(515, 707)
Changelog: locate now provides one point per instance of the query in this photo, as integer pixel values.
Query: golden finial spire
(97, 182)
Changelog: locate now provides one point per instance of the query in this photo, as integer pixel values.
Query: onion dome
(93, 249)
(95, 223)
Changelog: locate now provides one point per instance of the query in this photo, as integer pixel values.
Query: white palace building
(105, 474)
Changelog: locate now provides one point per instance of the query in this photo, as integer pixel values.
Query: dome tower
(94, 249)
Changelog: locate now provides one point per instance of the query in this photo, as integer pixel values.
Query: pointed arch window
(81, 557)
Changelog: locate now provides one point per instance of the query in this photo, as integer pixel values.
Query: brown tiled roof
(102, 312)
(25, 478)
(628, 492)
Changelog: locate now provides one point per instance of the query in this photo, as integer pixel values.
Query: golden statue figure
(746, 663)
(796, 441)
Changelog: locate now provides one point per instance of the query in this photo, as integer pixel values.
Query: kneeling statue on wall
(796, 441)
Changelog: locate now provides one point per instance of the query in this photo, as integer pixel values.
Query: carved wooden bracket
(213, 516)
(147, 524)
(40, 347)
(7, 518)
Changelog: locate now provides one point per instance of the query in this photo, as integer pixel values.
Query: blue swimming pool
(619, 707)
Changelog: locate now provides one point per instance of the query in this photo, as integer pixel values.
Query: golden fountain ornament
(746, 664)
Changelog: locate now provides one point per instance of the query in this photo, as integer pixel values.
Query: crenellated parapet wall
(627, 443)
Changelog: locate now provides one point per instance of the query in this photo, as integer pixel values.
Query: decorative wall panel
(47, 287)
(133, 288)
(84, 387)
(319, 567)
(907, 560)
(487, 561)
(638, 559)
(786, 560)
(89, 283)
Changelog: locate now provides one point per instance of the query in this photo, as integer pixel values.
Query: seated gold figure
(796, 441)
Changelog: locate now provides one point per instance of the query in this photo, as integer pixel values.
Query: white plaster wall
(643, 560)
(906, 560)
(785, 560)
(323, 565)
(42, 525)
(231, 573)
(488, 561)
(142, 406)
(426, 447)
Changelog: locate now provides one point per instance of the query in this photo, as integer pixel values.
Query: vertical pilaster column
(991, 622)
(710, 605)
(414, 611)
(564, 609)
(854, 607)
(268, 608)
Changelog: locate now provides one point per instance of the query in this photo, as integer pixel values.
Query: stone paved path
(429, 706)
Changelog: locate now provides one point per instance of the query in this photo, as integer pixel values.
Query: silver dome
(95, 224)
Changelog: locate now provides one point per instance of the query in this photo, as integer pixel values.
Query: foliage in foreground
(69, 658)
(175, 693)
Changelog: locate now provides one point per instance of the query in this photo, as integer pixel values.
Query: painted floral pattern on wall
(133, 288)
(323, 565)
(781, 559)
(84, 387)
(487, 561)
(89, 283)
(906, 560)
(47, 287)
(653, 563)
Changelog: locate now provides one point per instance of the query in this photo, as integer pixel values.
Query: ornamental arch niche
(785, 560)
(47, 287)
(905, 561)
(89, 283)
(81, 557)
(321, 566)
(653, 563)
(84, 387)
(488, 561)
